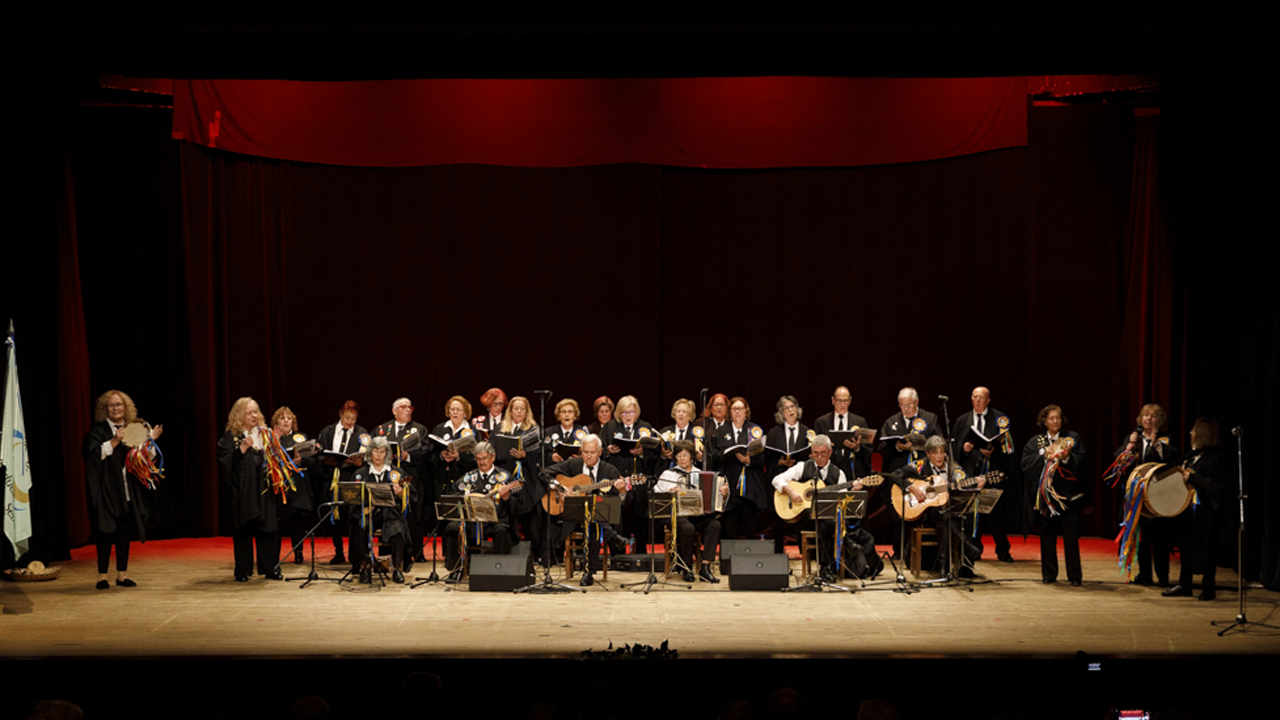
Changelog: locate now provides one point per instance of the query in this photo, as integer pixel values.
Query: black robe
(897, 426)
(854, 464)
(252, 501)
(754, 487)
(105, 481)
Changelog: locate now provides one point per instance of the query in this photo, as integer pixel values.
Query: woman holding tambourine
(122, 463)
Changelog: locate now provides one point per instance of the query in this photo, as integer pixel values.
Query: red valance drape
(753, 122)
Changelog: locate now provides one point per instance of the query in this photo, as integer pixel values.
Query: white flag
(13, 453)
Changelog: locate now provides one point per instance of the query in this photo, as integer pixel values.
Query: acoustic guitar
(936, 493)
(789, 510)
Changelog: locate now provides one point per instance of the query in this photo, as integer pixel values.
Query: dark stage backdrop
(309, 285)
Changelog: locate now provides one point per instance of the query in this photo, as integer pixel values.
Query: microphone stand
(311, 535)
(546, 584)
(1241, 622)
(951, 578)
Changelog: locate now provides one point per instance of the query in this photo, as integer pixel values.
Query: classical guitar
(788, 510)
(936, 493)
(553, 502)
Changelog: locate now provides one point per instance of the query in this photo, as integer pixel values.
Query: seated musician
(483, 480)
(392, 520)
(683, 475)
(935, 471)
(818, 466)
(595, 471)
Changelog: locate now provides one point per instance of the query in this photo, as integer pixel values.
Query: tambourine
(136, 434)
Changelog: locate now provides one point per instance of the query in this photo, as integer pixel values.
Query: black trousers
(1155, 543)
(595, 532)
(686, 537)
(740, 520)
(1068, 526)
(120, 539)
(500, 533)
(267, 553)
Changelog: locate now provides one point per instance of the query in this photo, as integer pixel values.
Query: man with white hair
(820, 467)
(589, 464)
(411, 463)
(895, 448)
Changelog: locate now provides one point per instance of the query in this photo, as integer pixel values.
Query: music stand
(660, 503)
(830, 505)
(354, 494)
(449, 507)
(588, 510)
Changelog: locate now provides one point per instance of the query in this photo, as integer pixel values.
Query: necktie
(841, 428)
(982, 424)
(791, 442)
(343, 446)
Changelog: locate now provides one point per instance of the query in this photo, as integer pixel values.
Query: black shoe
(966, 573)
(126, 583)
(618, 545)
(298, 559)
(103, 585)
(1207, 595)
(366, 576)
(1141, 580)
(242, 578)
(397, 576)
(408, 565)
(1076, 583)
(454, 577)
(1177, 591)
(274, 575)
(1047, 581)
(706, 574)
(587, 580)
(1005, 558)
(688, 576)
(1164, 583)
(338, 560)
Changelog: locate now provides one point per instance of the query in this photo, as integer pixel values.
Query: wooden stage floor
(188, 605)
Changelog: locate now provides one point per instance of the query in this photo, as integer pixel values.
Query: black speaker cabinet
(500, 573)
(753, 571)
(729, 548)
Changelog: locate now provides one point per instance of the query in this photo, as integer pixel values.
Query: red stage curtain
(1147, 342)
(755, 122)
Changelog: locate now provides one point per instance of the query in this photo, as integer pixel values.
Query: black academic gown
(1007, 514)
(443, 474)
(105, 487)
(854, 464)
(635, 511)
(1068, 482)
(897, 426)
(748, 490)
(254, 507)
(1156, 535)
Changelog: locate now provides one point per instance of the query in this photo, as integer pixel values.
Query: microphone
(1237, 430)
(542, 392)
(943, 398)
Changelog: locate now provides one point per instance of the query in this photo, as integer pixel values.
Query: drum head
(136, 434)
(1167, 494)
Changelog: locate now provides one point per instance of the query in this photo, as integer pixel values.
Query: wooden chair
(577, 541)
(921, 538)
